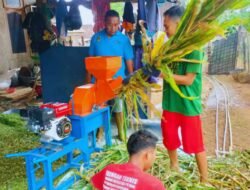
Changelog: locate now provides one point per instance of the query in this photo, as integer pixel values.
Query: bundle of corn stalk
(229, 173)
(199, 25)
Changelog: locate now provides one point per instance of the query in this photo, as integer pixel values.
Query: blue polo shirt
(117, 45)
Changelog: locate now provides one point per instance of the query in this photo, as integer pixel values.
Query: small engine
(50, 120)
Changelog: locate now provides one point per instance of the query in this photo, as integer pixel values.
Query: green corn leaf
(187, 20)
(239, 4)
(191, 61)
(168, 77)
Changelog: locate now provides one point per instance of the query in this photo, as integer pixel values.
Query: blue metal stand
(82, 128)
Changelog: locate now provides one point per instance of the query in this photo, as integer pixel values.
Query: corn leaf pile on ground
(14, 138)
(231, 172)
(199, 25)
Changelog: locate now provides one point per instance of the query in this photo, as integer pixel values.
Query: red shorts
(191, 132)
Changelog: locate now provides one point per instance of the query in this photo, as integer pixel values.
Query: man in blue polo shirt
(111, 42)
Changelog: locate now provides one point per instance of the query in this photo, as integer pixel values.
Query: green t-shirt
(172, 101)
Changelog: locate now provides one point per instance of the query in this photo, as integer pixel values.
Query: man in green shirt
(179, 112)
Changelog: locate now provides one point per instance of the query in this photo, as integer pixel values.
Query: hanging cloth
(73, 20)
(152, 16)
(47, 13)
(99, 9)
(128, 17)
(61, 13)
(128, 14)
(162, 7)
(138, 57)
(141, 10)
(35, 24)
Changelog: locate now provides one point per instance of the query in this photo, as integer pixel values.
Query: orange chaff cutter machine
(71, 131)
(89, 95)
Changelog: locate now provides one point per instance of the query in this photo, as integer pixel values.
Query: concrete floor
(150, 125)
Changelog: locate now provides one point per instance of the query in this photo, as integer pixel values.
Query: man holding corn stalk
(181, 112)
(179, 61)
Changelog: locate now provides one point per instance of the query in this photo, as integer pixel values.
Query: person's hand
(151, 71)
(126, 80)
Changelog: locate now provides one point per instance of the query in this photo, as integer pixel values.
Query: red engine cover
(60, 109)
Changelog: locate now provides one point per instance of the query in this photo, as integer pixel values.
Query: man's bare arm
(130, 66)
(186, 80)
